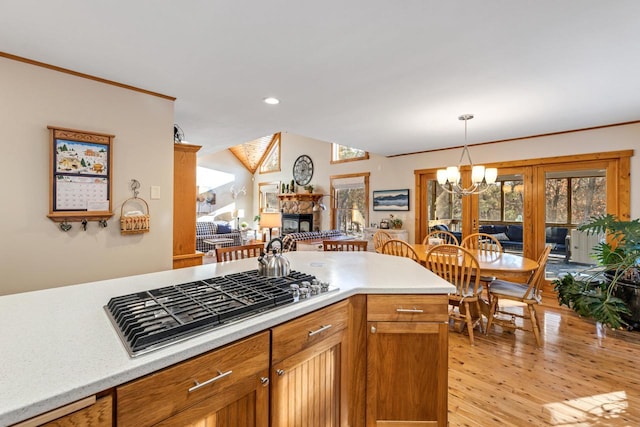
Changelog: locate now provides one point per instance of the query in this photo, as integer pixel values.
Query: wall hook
(135, 185)
(65, 226)
(84, 224)
(103, 223)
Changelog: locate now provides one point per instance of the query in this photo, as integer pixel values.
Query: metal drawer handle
(220, 376)
(409, 310)
(322, 328)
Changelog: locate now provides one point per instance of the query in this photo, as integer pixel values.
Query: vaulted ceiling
(384, 76)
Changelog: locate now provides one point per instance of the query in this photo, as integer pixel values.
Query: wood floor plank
(577, 379)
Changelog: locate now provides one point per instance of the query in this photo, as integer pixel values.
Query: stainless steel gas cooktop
(160, 317)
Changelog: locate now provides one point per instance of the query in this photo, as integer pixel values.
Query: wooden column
(184, 206)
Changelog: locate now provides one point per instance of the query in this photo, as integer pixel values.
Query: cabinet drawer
(86, 412)
(407, 308)
(300, 333)
(160, 395)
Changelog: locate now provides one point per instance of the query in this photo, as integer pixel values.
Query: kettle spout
(261, 259)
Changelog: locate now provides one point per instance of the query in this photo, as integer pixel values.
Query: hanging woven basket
(134, 223)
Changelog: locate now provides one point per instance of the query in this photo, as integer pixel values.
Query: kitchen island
(58, 345)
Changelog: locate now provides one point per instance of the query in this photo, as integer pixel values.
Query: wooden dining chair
(345, 245)
(528, 293)
(379, 239)
(446, 237)
(458, 265)
(401, 248)
(232, 253)
(487, 244)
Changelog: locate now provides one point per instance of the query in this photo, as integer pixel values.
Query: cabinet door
(407, 374)
(308, 388)
(246, 405)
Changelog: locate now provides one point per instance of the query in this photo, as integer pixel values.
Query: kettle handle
(277, 239)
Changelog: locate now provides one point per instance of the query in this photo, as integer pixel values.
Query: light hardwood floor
(577, 379)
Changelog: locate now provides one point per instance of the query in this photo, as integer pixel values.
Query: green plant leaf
(609, 312)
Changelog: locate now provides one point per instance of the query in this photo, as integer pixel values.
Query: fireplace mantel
(300, 197)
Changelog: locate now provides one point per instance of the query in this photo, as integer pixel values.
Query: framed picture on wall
(268, 196)
(391, 200)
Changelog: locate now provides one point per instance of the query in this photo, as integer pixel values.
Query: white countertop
(58, 345)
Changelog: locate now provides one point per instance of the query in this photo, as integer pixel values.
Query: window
(443, 205)
(271, 161)
(342, 153)
(350, 203)
(503, 202)
(573, 197)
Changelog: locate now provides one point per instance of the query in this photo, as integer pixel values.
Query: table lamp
(239, 214)
(270, 220)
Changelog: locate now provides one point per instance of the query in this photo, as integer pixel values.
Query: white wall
(398, 172)
(225, 161)
(35, 253)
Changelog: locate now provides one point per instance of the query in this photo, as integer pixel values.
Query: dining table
(505, 265)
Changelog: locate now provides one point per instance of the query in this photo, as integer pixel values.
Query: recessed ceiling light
(271, 101)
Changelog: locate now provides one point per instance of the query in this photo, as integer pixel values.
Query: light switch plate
(155, 192)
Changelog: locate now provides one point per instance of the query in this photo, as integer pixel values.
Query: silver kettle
(274, 264)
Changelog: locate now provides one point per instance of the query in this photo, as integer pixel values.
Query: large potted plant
(609, 293)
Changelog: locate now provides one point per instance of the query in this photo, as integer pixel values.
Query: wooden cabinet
(228, 386)
(184, 206)
(310, 369)
(407, 360)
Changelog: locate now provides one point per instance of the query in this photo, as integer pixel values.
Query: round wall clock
(303, 170)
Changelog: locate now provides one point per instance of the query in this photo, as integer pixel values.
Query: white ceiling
(381, 75)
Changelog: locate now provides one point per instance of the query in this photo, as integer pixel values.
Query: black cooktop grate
(152, 319)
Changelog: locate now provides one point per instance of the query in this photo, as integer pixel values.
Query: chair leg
(492, 313)
(480, 317)
(535, 325)
(467, 316)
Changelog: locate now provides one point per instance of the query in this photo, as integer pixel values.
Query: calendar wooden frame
(89, 159)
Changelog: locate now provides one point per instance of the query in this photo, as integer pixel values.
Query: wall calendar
(80, 178)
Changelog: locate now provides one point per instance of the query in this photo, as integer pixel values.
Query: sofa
(216, 230)
(510, 237)
(289, 240)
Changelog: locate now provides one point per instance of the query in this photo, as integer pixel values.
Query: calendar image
(84, 158)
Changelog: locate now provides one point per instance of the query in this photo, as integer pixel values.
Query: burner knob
(324, 287)
(305, 284)
(315, 289)
(315, 282)
(295, 290)
(304, 293)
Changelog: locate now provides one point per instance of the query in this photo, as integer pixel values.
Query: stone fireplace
(301, 204)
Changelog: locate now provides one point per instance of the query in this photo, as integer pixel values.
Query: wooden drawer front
(407, 308)
(300, 333)
(160, 395)
(85, 412)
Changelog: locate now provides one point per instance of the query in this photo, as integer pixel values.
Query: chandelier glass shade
(481, 177)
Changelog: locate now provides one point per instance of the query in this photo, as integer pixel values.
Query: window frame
(274, 145)
(333, 189)
(617, 165)
(334, 150)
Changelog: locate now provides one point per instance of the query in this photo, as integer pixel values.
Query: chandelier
(481, 177)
